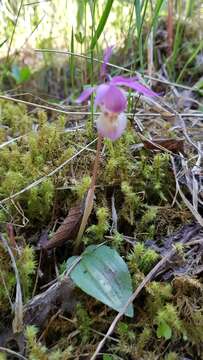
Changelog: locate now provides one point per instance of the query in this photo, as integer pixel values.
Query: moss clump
(142, 259)
(36, 351)
(96, 232)
(7, 280)
(26, 264)
(131, 202)
(15, 119)
(167, 321)
(32, 157)
(141, 185)
(84, 323)
(82, 186)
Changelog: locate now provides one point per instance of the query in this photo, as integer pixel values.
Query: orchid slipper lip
(112, 100)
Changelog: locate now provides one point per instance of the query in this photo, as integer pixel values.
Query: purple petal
(107, 55)
(100, 93)
(131, 83)
(85, 94)
(114, 100)
(111, 125)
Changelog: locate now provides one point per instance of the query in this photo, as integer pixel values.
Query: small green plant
(167, 320)
(21, 75)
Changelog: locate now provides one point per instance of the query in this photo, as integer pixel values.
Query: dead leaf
(68, 229)
(174, 145)
(42, 306)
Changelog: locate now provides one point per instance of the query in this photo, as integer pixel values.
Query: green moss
(167, 320)
(143, 339)
(171, 356)
(141, 183)
(83, 323)
(40, 201)
(30, 158)
(26, 265)
(82, 186)
(15, 117)
(117, 240)
(119, 162)
(7, 279)
(36, 351)
(142, 258)
(3, 356)
(131, 202)
(97, 231)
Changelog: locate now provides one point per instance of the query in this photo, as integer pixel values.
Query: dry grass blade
(10, 141)
(174, 145)
(28, 103)
(194, 211)
(13, 32)
(63, 52)
(13, 353)
(18, 319)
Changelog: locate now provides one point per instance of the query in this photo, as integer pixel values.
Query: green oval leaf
(164, 330)
(104, 275)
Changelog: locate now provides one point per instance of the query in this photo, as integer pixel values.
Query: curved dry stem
(90, 196)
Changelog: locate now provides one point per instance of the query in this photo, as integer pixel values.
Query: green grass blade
(138, 15)
(157, 9)
(191, 58)
(72, 60)
(139, 8)
(3, 42)
(143, 17)
(14, 29)
(189, 7)
(102, 23)
(138, 26)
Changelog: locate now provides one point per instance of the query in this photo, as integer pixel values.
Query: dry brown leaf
(174, 145)
(68, 229)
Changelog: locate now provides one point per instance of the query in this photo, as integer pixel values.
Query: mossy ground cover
(148, 194)
(168, 318)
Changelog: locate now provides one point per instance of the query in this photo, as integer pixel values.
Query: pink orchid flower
(112, 100)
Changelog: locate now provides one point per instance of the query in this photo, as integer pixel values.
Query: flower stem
(90, 196)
